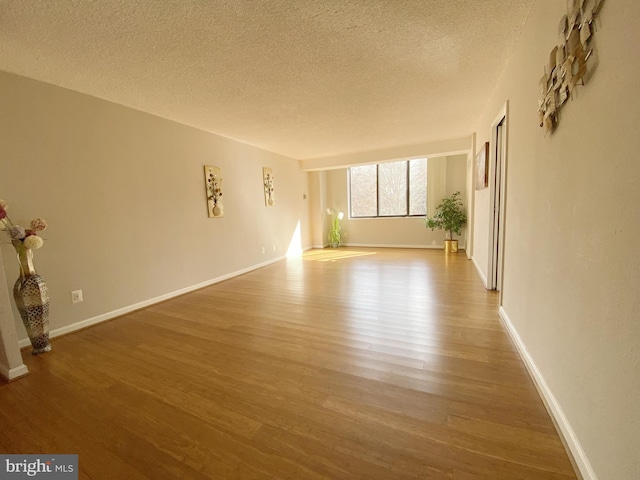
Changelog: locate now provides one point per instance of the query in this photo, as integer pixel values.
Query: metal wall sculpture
(568, 61)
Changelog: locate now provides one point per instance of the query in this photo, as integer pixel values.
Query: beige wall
(572, 271)
(123, 192)
(318, 206)
(404, 232)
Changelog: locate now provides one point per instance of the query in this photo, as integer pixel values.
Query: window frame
(407, 191)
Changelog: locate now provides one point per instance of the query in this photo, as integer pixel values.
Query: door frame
(497, 182)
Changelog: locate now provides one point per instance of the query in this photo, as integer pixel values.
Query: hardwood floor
(343, 364)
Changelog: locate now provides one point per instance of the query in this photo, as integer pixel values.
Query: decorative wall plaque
(213, 184)
(267, 179)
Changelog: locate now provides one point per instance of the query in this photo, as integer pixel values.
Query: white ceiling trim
(440, 148)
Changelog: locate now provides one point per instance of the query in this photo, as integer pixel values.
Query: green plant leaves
(449, 216)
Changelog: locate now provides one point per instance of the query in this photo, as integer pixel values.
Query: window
(396, 189)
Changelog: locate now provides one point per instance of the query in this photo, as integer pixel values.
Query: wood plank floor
(342, 364)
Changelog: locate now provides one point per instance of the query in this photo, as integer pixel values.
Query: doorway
(497, 185)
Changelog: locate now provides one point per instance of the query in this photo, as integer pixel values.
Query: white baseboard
(13, 373)
(378, 245)
(137, 306)
(480, 272)
(555, 410)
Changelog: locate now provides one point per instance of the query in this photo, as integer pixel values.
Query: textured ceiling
(302, 78)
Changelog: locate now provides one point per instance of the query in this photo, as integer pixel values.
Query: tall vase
(32, 299)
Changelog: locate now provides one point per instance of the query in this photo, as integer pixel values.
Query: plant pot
(451, 246)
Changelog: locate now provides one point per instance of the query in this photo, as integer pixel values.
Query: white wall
(11, 365)
(481, 230)
(123, 192)
(402, 232)
(572, 270)
(470, 204)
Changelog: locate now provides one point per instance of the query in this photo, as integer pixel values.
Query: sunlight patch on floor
(332, 254)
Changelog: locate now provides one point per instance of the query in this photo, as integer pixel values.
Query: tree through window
(395, 189)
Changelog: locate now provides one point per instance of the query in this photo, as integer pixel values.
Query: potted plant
(449, 217)
(335, 234)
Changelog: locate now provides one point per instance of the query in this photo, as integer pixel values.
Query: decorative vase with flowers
(30, 291)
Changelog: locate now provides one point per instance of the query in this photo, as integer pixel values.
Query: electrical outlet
(274, 248)
(263, 250)
(76, 296)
